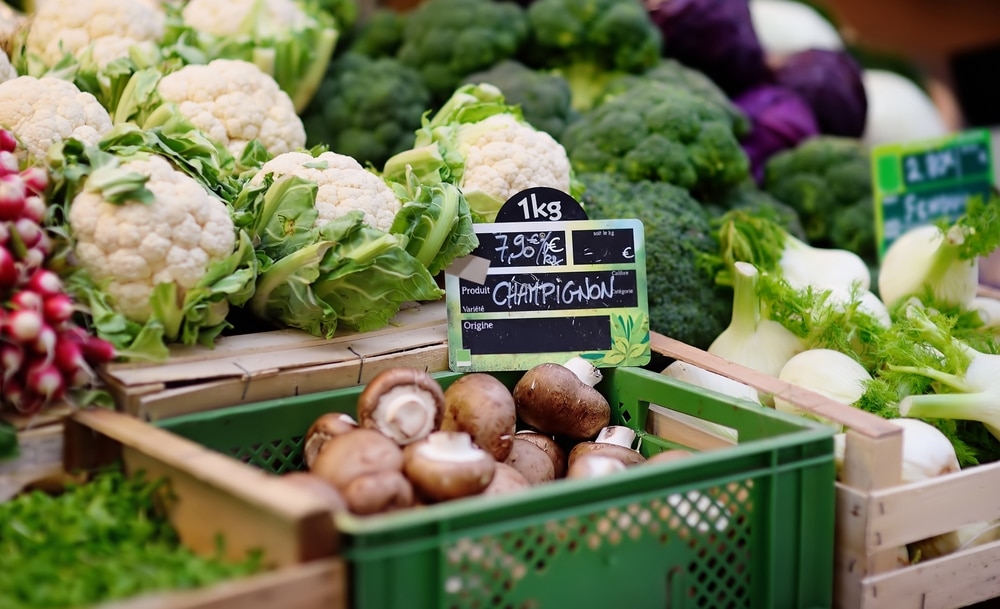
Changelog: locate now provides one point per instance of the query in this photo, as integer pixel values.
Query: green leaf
(8, 441)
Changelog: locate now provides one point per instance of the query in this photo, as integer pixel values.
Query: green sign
(918, 183)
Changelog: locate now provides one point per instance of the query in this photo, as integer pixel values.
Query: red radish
(68, 356)
(8, 270)
(34, 208)
(45, 380)
(44, 245)
(25, 325)
(8, 163)
(45, 344)
(35, 179)
(83, 377)
(32, 261)
(26, 402)
(4, 232)
(57, 309)
(27, 300)
(95, 350)
(29, 231)
(12, 194)
(11, 360)
(46, 283)
(8, 142)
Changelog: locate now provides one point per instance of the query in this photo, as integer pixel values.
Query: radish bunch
(42, 352)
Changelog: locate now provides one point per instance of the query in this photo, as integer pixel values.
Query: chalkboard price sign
(921, 182)
(547, 291)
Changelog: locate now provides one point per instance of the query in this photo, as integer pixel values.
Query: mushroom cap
(669, 455)
(626, 455)
(447, 465)
(319, 487)
(550, 398)
(482, 407)
(356, 453)
(327, 426)
(593, 465)
(533, 462)
(405, 404)
(379, 492)
(550, 446)
(506, 479)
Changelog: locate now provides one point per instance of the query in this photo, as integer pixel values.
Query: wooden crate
(40, 440)
(213, 495)
(877, 516)
(254, 367)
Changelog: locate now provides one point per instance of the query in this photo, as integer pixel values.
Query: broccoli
(590, 42)
(854, 230)
(662, 133)
(674, 73)
(823, 178)
(684, 302)
(380, 35)
(345, 12)
(748, 196)
(367, 108)
(446, 40)
(544, 97)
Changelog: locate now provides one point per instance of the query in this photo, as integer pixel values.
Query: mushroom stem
(454, 447)
(585, 371)
(618, 435)
(408, 411)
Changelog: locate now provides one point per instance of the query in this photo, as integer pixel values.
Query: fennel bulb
(969, 536)
(750, 340)
(868, 302)
(989, 311)
(803, 265)
(927, 452)
(689, 373)
(827, 372)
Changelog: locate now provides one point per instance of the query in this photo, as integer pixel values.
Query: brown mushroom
(550, 446)
(327, 426)
(593, 466)
(356, 453)
(614, 441)
(669, 455)
(533, 463)
(447, 465)
(319, 487)
(482, 407)
(561, 399)
(506, 479)
(405, 404)
(379, 492)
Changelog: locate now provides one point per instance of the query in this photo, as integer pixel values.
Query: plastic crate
(645, 537)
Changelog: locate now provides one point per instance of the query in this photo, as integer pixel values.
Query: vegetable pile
(103, 540)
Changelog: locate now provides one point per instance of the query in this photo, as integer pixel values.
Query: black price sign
(547, 291)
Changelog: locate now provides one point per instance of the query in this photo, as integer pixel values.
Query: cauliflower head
(104, 29)
(136, 246)
(234, 102)
(504, 155)
(343, 186)
(43, 111)
(226, 18)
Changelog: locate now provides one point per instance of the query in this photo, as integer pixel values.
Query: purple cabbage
(779, 120)
(715, 37)
(831, 82)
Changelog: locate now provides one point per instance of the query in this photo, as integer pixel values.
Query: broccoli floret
(367, 108)
(344, 11)
(380, 35)
(854, 230)
(661, 133)
(748, 196)
(544, 97)
(684, 301)
(590, 42)
(446, 40)
(674, 73)
(821, 178)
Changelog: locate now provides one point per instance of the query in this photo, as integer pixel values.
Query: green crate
(618, 542)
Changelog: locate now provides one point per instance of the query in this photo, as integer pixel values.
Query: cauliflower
(234, 102)
(43, 111)
(136, 246)
(343, 185)
(102, 29)
(7, 71)
(10, 21)
(226, 18)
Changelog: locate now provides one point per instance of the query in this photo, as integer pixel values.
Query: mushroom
(327, 426)
(405, 404)
(506, 479)
(561, 399)
(378, 492)
(318, 487)
(593, 466)
(356, 453)
(447, 465)
(550, 446)
(482, 407)
(614, 441)
(533, 462)
(669, 455)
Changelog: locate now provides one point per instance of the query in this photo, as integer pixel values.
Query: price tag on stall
(545, 285)
(921, 182)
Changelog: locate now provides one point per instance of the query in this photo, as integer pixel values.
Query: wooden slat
(216, 495)
(674, 427)
(48, 415)
(41, 457)
(950, 582)
(315, 585)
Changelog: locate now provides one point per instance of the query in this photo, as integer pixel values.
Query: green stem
(309, 81)
(746, 302)
(282, 271)
(980, 407)
(955, 382)
(946, 255)
(426, 162)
